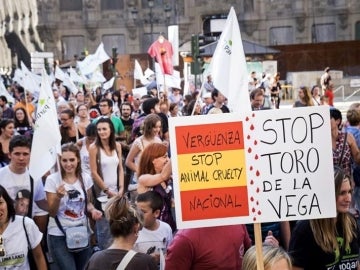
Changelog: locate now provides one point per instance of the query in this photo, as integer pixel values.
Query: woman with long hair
(68, 194)
(151, 132)
(305, 98)
(328, 243)
(125, 223)
(21, 122)
(107, 172)
(154, 173)
(6, 133)
(275, 90)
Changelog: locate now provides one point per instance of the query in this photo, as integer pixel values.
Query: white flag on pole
(31, 82)
(76, 77)
(110, 83)
(47, 138)
(5, 93)
(92, 61)
(66, 80)
(138, 73)
(228, 66)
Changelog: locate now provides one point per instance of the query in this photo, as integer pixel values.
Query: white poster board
(266, 166)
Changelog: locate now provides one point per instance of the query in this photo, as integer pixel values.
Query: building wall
(68, 27)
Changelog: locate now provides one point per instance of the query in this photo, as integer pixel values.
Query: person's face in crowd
(157, 108)
(3, 211)
(104, 131)
(69, 162)
(20, 116)
(62, 107)
(83, 111)
(208, 100)
(125, 111)
(334, 124)
(281, 264)
(20, 157)
(197, 108)
(175, 110)
(136, 101)
(66, 120)
(8, 130)
(157, 128)
(220, 98)
(104, 108)
(80, 98)
(2, 103)
(343, 199)
(164, 108)
(56, 94)
(22, 206)
(90, 139)
(316, 91)
(258, 101)
(301, 94)
(160, 162)
(150, 216)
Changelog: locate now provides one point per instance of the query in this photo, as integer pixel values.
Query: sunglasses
(2, 248)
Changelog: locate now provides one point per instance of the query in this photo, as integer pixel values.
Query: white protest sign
(265, 166)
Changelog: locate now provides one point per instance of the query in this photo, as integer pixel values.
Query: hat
(207, 95)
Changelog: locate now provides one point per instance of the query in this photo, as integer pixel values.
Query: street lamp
(152, 17)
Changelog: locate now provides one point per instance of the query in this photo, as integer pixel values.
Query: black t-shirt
(109, 259)
(308, 255)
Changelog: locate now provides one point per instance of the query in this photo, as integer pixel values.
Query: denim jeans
(103, 235)
(64, 259)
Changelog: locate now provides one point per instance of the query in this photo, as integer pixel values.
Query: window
(281, 35)
(72, 45)
(112, 4)
(324, 32)
(71, 5)
(157, 3)
(114, 41)
(357, 30)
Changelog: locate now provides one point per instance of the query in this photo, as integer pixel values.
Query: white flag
(59, 74)
(46, 140)
(31, 82)
(138, 73)
(4, 92)
(76, 77)
(92, 61)
(228, 66)
(110, 83)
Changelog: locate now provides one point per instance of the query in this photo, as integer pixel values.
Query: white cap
(207, 95)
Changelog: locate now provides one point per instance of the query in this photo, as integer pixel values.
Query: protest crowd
(107, 199)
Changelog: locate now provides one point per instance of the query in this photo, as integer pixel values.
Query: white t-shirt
(16, 245)
(160, 238)
(71, 210)
(14, 182)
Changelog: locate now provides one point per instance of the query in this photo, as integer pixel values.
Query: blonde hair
(271, 255)
(325, 230)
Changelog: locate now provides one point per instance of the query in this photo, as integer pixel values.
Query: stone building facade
(70, 27)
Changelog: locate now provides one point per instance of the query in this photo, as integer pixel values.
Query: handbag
(77, 238)
(30, 255)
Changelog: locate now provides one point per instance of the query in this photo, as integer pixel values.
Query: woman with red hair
(154, 173)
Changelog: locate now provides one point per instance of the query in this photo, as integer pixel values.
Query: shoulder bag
(127, 258)
(77, 238)
(30, 255)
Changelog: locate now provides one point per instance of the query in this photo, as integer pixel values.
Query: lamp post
(153, 16)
